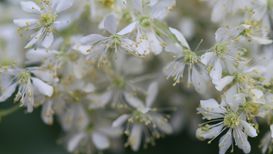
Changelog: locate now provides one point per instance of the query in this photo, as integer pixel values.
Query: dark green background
(22, 133)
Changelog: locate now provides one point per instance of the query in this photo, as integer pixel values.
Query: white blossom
(143, 117)
(27, 86)
(45, 20)
(187, 62)
(225, 117)
(97, 46)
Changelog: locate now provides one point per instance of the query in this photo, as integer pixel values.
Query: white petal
(233, 99)
(211, 105)
(225, 142)
(249, 129)
(61, 24)
(135, 137)
(120, 120)
(35, 39)
(91, 39)
(222, 83)
(211, 133)
(61, 5)
(216, 72)
(200, 79)
(47, 113)
(260, 40)
(142, 47)
(43, 87)
(207, 57)
(175, 49)
(151, 94)
(134, 102)
(161, 9)
(257, 93)
(101, 142)
(241, 140)
(101, 100)
(8, 92)
(180, 37)
(128, 45)
(225, 33)
(30, 7)
(25, 22)
(48, 40)
(83, 49)
(110, 24)
(37, 55)
(127, 29)
(155, 44)
(219, 11)
(162, 124)
(74, 142)
(106, 97)
(45, 75)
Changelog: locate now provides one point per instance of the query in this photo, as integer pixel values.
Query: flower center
(77, 95)
(139, 117)
(253, 26)
(145, 21)
(220, 49)
(107, 3)
(47, 19)
(116, 39)
(73, 56)
(244, 78)
(190, 57)
(251, 109)
(24, 77)
(231, 120)
(5, 63)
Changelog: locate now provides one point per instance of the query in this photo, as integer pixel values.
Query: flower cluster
(110, 83)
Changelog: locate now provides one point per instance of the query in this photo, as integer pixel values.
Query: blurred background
(22, 133)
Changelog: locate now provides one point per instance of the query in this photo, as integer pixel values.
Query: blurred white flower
(144, 117)
(98, 47)
(26, 84)
(150, 30)
(45, 20)
(186, 63)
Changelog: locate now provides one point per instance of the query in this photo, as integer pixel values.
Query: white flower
(224, 56)
(82, 137)
(27, 86)
(223, 8)
(143, 117)
(187, 62)
(123, 81)
(250, 30)
(97, 47)
(45, 20)
(225, 117)
(60, 59)
(245, 83)
(150, 30)
(98, 140)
